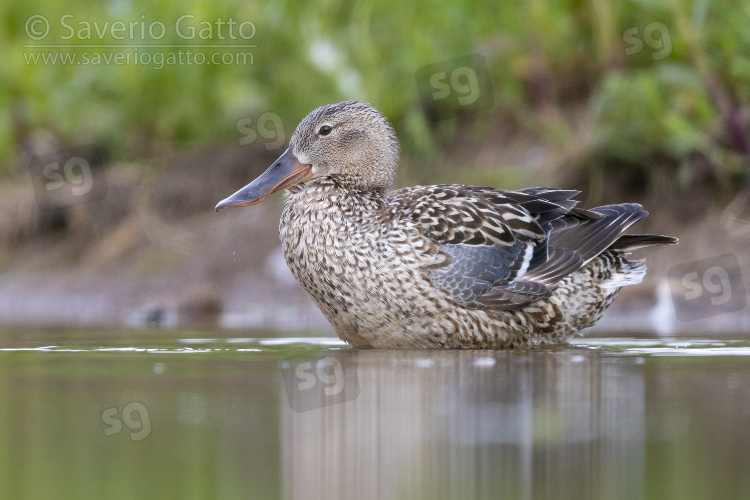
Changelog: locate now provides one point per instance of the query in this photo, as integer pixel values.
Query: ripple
(191, 345)
(202, 345)
(668, 347)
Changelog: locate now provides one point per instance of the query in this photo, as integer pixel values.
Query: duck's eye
(325, 130)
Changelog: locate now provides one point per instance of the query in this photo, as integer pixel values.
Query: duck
(445, 266)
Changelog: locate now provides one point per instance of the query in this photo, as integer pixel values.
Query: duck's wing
(506, 249)
(489, 239)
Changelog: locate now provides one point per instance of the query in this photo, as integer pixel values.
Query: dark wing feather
(575, 241)
(560, 263)
(592, 237)
(628, 242)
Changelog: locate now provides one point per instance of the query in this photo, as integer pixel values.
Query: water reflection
(93, 415)
(473, 425)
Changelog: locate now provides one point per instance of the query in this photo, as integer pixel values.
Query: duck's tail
(628, 242)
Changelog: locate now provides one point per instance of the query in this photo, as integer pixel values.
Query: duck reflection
(468, 424)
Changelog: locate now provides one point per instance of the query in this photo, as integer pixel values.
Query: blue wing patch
(474, 270)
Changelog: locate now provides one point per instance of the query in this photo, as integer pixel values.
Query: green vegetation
(664, 82)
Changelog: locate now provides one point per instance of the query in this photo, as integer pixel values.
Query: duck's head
(350, 142)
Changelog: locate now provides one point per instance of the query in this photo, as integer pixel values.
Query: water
(181, 415)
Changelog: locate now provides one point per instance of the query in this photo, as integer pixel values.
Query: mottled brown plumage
(448, 266)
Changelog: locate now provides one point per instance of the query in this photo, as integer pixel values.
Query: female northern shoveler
(446, 266)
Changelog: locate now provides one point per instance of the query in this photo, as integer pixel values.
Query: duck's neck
(330, 192)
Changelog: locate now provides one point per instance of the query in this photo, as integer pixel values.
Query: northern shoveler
(446, 266)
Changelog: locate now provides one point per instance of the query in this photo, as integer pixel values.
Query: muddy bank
(152, 251)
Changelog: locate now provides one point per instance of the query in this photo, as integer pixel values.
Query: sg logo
(655, 34)
(455, 87)
(76, 171)
(318, 382)
(268, 126)
(707, 287)
(463, 81)
(66, 178)
(134, 416)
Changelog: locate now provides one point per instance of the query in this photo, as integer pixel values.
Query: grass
(665, 81)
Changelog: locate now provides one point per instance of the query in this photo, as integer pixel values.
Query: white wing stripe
(528, 253)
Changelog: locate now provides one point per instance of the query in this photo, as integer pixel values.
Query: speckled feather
(447, 266)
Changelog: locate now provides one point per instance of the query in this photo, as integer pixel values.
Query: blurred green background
(650, 81)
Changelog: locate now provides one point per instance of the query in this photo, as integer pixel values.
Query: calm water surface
(206, 415)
